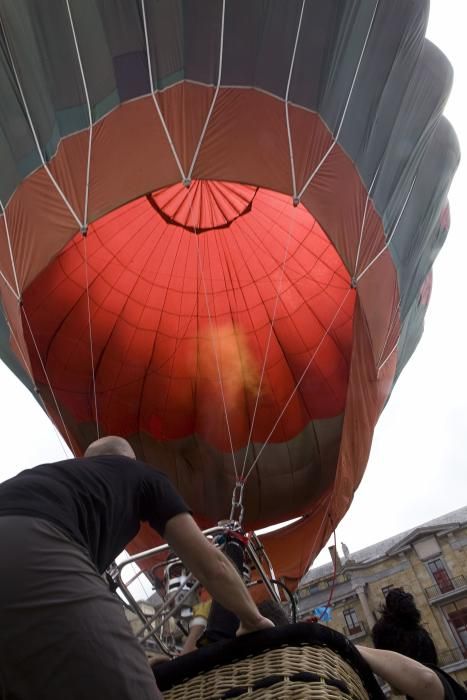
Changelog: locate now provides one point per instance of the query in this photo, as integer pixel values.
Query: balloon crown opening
(203, 205)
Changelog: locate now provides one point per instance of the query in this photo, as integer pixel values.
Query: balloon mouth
(206, 205)
(255, 319)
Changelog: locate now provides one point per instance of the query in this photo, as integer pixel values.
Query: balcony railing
(447, 586)
(452, 656)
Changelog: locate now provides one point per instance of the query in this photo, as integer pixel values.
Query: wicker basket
(296, 669)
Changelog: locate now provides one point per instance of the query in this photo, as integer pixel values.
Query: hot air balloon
(218, 224)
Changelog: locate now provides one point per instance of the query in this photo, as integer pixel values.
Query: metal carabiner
(237, 510)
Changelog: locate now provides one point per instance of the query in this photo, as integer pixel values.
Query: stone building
(429, 561)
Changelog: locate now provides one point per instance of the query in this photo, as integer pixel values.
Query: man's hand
(261, 623)
(214, 571)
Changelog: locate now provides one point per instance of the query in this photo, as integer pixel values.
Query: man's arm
(214, 571)
(408, 676)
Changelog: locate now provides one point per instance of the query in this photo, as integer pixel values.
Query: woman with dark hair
(399, 629)
(404, 653)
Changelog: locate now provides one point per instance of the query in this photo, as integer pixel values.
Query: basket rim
(172, 673)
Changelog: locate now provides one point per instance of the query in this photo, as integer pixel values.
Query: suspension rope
(391, 235)
(292, 223)
(237, 496)
(8, 285)
(344, 113)
(84, 226)
(370, 27)
(36, 390)
(211, 108)
(381, 365)
(89, 110)
(91, 346)
(16, 293)
(334, 573)
(154, 99)
(34, 133)
(389, 331)
(362, 226)
(286, 405)
(46, 376)
(214, 344)
(358, 276)
(287, 116)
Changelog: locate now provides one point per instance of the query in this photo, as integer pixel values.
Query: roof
(380, 549)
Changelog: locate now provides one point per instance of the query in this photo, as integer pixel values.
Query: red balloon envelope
(218, 242)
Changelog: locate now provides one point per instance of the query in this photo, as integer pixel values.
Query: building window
(440, 575)
(456, 614)
(352, 622)
(385, 590)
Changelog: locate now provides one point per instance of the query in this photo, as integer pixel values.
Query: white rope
(286, 405)
(153, 95)
(219, 374)
(357, 69)
(17, 294)
(36, 390)
(88, 104)
(23, 356)
(266, 354)
(47, 377)
(213, 342)
(327, 512)
(18, 344)
(91, 347)
(344, 113)
(18, 299)
(362, 227)
(287, 118)
(391, 235)
(312, 176)
(358, 277)
(34, 134)
(389, 331)
(380, 366)
(211, 108)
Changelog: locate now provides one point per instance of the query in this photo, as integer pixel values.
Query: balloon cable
(213, 102)
(46, 376)
(153, 94)
(89, 110)
(16, 294)
(334, 573)
(91, 344)
(287, 116)
(216, 355)
(37, 392)
(286, 405)
(291, 229)
(344, 113)
(33, 129)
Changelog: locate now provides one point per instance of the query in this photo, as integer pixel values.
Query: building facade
(429, 561)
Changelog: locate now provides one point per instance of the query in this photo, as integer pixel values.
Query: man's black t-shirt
(98, 501)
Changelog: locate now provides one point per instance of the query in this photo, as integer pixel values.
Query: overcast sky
(418, 464)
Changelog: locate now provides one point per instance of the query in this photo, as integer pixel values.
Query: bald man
(62, 633)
